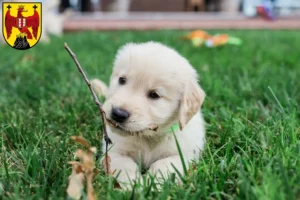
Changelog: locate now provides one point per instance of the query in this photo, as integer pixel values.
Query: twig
(102, 113)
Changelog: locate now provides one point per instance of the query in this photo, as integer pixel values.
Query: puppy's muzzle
(119, 115)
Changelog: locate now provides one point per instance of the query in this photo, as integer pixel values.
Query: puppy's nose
(119, 115)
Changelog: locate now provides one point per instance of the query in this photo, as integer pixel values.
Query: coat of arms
(21, 24)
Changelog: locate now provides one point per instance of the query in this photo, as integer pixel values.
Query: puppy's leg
(126, 170)
(162, 168)
(99, 87)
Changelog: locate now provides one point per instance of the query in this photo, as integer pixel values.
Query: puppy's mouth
(130, 131)
(126, 130)
(120, 127)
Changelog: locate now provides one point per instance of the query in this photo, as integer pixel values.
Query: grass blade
(181, 156)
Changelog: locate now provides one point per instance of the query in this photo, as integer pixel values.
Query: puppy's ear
(191, 102)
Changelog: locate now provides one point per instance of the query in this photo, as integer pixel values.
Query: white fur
(153, 66)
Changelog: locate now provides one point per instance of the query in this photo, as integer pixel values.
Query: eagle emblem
(22, 24)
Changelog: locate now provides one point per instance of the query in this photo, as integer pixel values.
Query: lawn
(252, 113)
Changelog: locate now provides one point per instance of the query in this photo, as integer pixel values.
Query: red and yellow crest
(22, 24)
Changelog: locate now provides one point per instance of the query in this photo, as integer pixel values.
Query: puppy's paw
(99, 87)
(162, 169)
(125, 170)
(126, 180)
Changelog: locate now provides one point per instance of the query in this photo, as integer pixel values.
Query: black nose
(119, 115)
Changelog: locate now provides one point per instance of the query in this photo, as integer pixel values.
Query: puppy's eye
(122, 80)
(153, 95)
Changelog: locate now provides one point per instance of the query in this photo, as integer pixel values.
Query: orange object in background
(198, 34)
(217, 40)
(199, 37)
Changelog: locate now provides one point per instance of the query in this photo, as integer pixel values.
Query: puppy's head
(151, 85)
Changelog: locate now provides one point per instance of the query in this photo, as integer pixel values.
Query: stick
(102, 113)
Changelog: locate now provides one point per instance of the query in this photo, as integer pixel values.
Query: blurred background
(74, 15)
(248, 7)
(181, 14)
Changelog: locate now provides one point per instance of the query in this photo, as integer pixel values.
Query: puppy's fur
(149, 67)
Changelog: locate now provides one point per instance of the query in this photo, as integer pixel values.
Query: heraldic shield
(22, 24)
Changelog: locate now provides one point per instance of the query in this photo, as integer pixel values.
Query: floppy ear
(191, 102)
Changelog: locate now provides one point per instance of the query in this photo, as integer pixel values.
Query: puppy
(152, 87)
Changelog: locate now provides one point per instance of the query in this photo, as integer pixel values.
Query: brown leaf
(117, 185)
(76, 182)
(93, 150)
(90, 189)
(87, 159)
(82, 171)
(76, 166)
(153, 127)
(80, 140)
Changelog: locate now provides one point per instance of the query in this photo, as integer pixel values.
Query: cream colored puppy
(152, 86)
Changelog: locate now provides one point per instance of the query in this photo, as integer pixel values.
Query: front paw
(126, 180)
(124, 169)
(162, 169)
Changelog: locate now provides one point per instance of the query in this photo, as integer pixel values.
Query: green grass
(252, 114)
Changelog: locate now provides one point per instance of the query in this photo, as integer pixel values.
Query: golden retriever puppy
(152, 86)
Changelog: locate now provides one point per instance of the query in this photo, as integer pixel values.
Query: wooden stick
(96, 100)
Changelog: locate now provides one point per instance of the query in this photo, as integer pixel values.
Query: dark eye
(153, 95)
(122, 80)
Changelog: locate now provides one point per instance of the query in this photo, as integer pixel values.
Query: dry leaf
(153, 127)
(80, 140)
(90, 189)
(83, 171)
(76, 182)
(93, 150)
(87, 159)
(106, 165)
